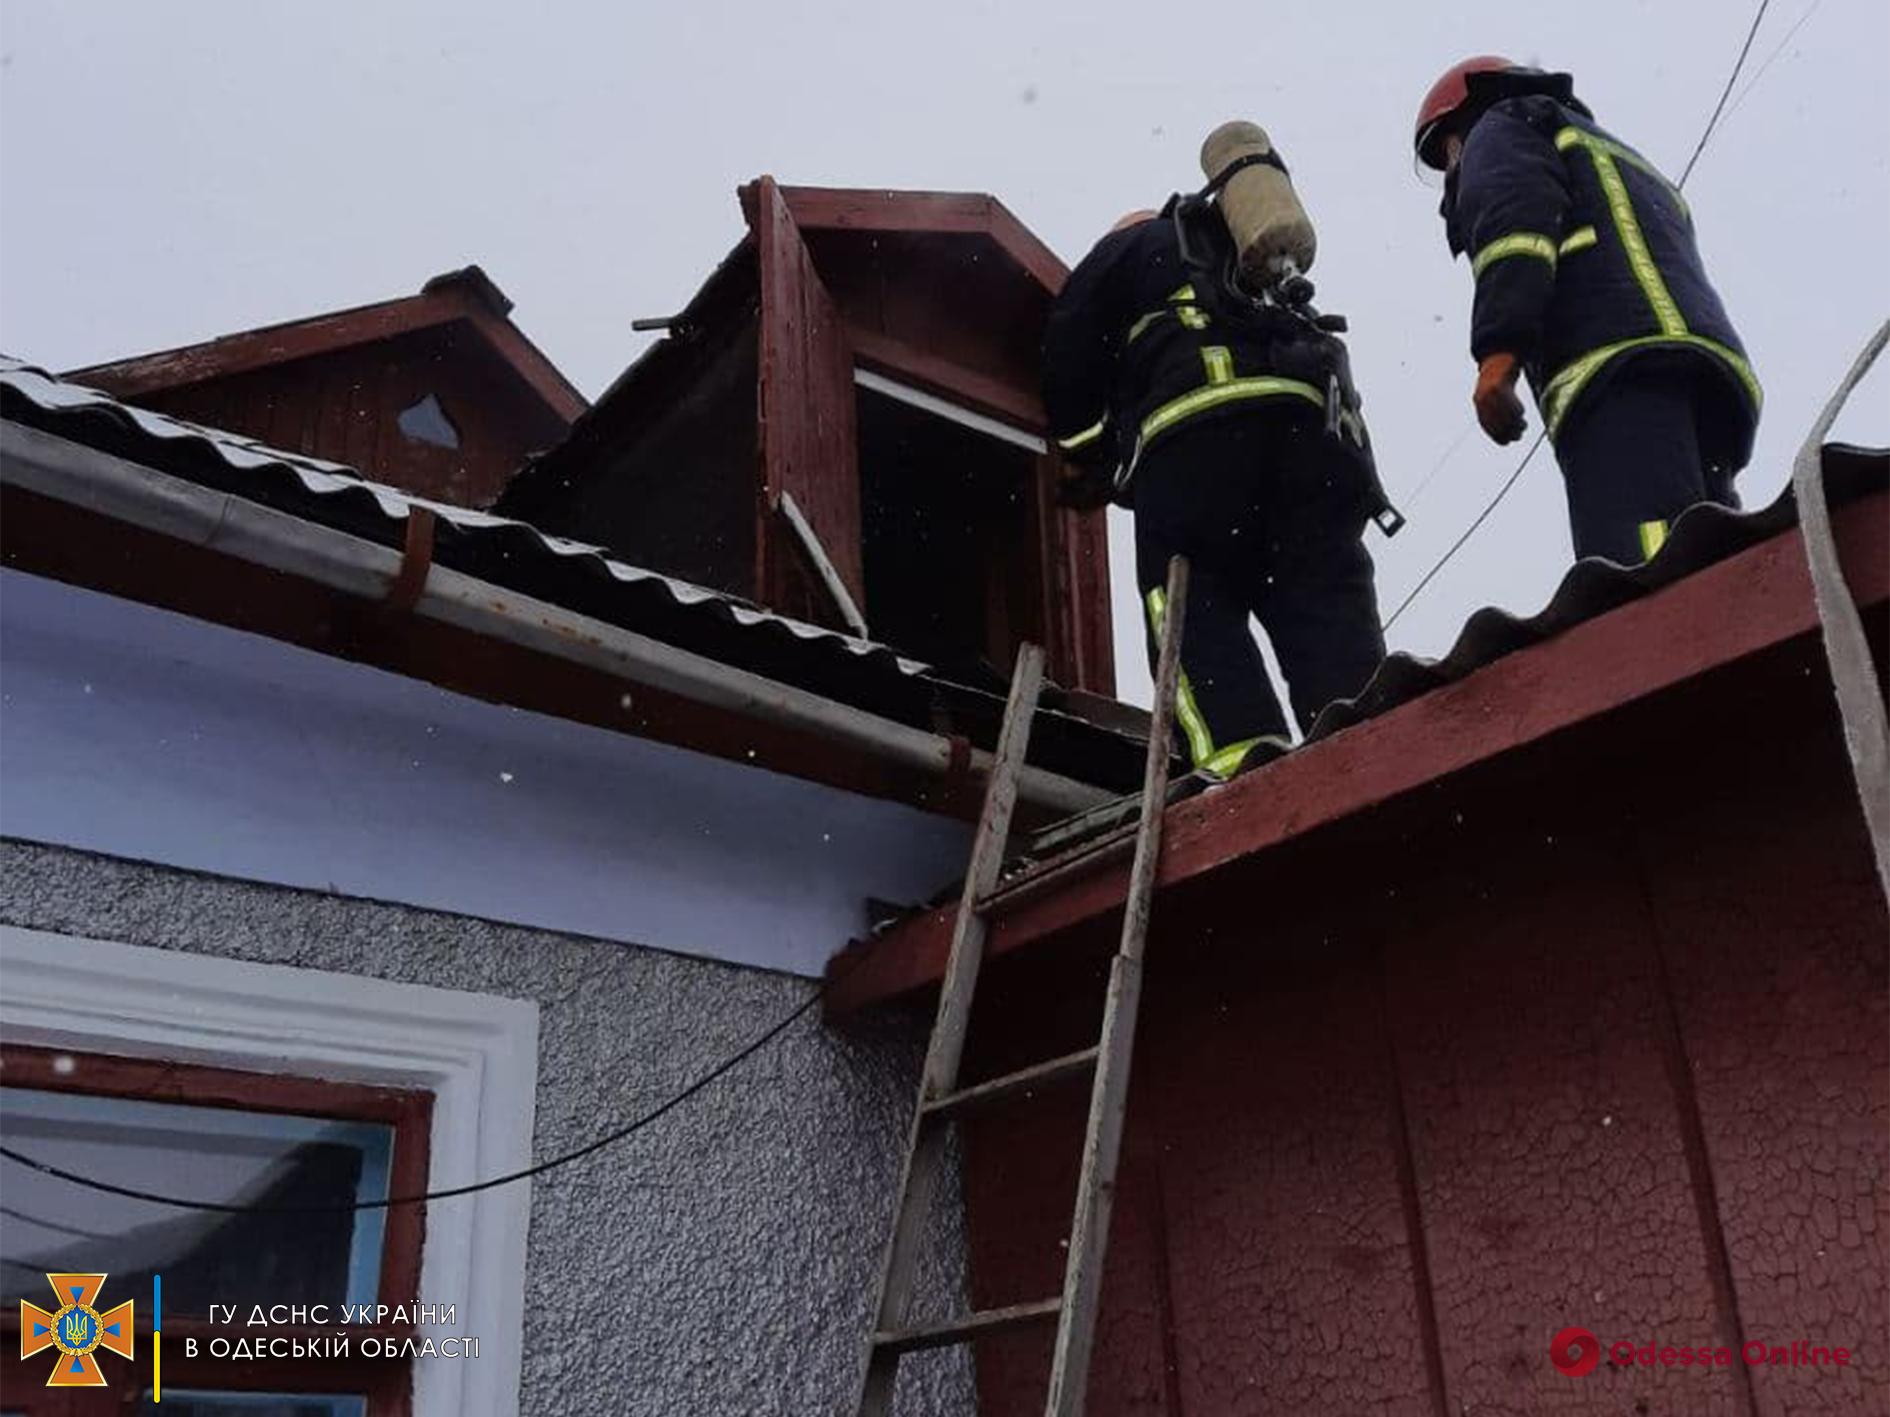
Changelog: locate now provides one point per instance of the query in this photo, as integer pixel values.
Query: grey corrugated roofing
(730, 630)
(1700, 536)
(277, 477)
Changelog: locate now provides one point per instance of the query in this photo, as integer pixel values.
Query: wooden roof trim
(456, 296)
(949, 380)
(966, 213)
(510, 343)
(1747, 603)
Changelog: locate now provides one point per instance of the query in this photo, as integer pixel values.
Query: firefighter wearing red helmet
(1588, 281)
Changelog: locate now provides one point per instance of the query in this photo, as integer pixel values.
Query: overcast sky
(174, 171)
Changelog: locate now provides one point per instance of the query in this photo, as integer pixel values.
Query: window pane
(251, 1404)
(207, 1153)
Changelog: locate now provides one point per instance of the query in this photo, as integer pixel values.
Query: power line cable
(224, 1208)
(1752, 33)
(1503, 491)
(1410, 499)
(1456, 545)
(1772, 58)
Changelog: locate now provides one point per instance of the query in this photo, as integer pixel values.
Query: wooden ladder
(941, 1098)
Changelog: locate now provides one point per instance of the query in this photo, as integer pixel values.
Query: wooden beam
(275, 344)
(1747, 603)
(947, 379)
(964, 213)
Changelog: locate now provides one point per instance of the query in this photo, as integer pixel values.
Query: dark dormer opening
(949, 528)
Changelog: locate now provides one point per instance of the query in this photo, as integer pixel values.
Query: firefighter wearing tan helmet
(1588, 281)
(1187, 376)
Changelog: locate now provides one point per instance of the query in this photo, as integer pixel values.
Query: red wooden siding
(1597, 1034)
(808, 443)
(345, 406)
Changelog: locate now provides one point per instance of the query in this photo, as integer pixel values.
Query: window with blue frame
(222, 1155)
(295, 1158)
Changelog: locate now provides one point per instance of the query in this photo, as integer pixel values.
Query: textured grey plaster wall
(718, 1262)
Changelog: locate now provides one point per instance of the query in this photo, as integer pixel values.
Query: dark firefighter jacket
(1133, 351)
(1583, 253)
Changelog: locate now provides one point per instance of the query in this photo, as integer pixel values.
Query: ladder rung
(964, 1330)
(1027, 1080)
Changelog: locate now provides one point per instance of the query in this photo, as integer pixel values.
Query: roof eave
(1725, 612)
(467, 296)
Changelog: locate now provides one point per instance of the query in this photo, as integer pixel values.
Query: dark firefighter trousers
(1269, 513)
(1637, 452)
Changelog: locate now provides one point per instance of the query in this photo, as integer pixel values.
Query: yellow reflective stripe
(1594, 142)
(1517, 243)
(1579, 239)
(1184, 293)
(1213, 396)
(1640, 260)
(1227, 761)
(1219, 361)
(1200, 741)
(1653, 537)
(1189, 315)
(1140, 327)
(1083, 439)
(1574, 376)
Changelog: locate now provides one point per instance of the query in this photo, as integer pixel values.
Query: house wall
(718, 1262)
(1598, 1037)
(142, 733)
(179, 786)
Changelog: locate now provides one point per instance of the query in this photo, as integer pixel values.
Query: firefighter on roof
(1588, 280)
(1185, 376)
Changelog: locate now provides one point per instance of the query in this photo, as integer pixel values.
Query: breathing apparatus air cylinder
(1270, 228)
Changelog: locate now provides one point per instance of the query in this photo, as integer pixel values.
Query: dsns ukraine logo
(76, 1329)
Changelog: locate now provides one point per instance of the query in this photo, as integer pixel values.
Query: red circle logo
(1575, 1352)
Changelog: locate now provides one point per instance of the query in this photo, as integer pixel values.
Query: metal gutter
(71, 472)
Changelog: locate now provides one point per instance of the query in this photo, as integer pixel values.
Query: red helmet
(1447, 95)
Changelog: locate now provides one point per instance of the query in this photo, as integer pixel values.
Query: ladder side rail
(1096, 1185)
(925, 1148)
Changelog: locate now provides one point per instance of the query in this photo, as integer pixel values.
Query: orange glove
(1498, 409)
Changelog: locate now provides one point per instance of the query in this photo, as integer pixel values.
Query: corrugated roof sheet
(334, 494)
(581, 577)
(1071, 850)
(1701, 536)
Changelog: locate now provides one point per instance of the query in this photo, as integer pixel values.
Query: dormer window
(426, 422)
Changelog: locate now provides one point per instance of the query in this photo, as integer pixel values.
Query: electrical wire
(608, 1139)
(1410, 499)
(1456, 545)
(1503, 491)
(1771, 59)
(1752, 33)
